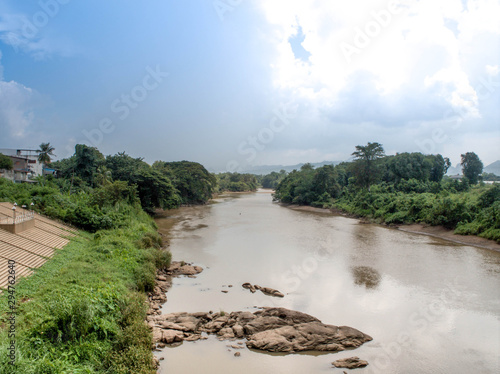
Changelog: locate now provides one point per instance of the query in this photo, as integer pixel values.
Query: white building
(26, 165)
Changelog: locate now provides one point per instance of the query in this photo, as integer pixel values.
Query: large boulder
(310, 336)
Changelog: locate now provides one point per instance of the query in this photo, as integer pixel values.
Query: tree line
(404, 188)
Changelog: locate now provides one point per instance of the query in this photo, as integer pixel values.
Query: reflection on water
(430, 308)
(365, 276)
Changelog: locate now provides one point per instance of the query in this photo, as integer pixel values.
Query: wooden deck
(30, 249)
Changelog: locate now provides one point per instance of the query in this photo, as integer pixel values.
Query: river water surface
(431, 306)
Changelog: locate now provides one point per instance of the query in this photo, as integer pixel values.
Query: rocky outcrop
(163, 282)
(158, 296)
(269, 329)
(265, 290)
(350, 363)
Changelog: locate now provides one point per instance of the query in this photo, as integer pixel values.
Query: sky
(239, 83)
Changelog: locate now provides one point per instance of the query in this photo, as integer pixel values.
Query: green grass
(84, 310)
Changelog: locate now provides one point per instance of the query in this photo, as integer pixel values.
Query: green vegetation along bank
(236, 182)
(84, 311)
(405, 188)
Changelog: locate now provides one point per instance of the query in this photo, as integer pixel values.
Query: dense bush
(102, 208)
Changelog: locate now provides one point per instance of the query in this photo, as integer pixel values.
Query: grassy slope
(84, 310)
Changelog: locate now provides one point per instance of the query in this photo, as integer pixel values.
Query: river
(430, 305)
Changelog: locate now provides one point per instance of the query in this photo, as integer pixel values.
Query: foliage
(236, 182)
(6, 162)
(405, 166)
(155, 190)
(486, 177)
(194, 183)
(166, 185)
(82, 312)
(309, 186)
(92, 210)
(83, 165)
(365, 167)
(472, 167)
(273, 179)
(412, 189)
(45, 152)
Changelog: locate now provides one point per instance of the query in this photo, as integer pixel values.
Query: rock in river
(265, 290)
(269, 329)
(350, 363)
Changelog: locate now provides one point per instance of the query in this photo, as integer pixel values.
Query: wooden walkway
(30, 249)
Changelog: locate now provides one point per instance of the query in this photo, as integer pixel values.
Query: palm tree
(103, 175)
(365, 163)
(44, 153)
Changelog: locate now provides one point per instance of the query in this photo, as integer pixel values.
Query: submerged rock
(181, 268)
(265, 290)
(350, 363)
(248, 286)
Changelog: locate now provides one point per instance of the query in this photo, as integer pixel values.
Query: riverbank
(434, 231)
(446, 234)
(84, 310)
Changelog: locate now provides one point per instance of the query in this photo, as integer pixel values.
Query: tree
(325, 181)
(472, 167)
(365, 165)
(87, 161)
(6, 162)
(82, 166)
(45, 152)
(440, 167)
(194, 183)
(103, 176)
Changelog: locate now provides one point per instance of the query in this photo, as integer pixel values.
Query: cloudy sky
(235, 83)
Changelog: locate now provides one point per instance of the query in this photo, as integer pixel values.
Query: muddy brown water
(431, 306)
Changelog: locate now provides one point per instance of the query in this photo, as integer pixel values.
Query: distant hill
(266, 169)
(493, 168)
(454, 170)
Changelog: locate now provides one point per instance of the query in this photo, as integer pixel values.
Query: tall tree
(45, 152)
(472, 166)
(86, 161)
(365, 165)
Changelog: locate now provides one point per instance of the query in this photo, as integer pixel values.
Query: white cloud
(492, 71)
(32, 33)
(410, 49)
(16, 108)
(413, 69)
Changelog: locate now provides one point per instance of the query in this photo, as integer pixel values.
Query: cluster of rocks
(265, 290)
(269, 329)
(163, 282)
